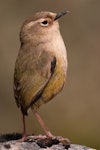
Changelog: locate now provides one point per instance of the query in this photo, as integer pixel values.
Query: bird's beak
(60, 14)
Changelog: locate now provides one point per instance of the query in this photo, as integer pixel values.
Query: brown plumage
(41, 65)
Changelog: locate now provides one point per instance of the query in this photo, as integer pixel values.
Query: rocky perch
(8, 142)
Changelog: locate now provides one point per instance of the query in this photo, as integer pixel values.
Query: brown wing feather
(31, 77)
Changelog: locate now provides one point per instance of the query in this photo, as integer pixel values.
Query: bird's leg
(44, 127)
(24, 126)
(24, 130)
(48, 135)
(47, 131)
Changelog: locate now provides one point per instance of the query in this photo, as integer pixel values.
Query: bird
(41, 65)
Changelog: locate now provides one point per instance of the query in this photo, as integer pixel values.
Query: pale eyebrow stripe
(32, 22)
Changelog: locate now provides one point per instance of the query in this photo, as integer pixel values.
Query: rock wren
(41, 65)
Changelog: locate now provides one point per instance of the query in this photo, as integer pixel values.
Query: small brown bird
(41, 65)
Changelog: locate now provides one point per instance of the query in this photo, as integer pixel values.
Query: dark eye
(44, 23)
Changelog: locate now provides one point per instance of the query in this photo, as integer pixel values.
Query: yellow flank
(53, 87)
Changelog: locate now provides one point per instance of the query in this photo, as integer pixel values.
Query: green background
(75, 112)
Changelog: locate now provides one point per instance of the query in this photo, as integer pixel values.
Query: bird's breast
(58, 78)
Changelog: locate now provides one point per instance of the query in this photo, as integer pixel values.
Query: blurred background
(75, 112)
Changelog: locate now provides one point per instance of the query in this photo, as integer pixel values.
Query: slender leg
(24, 130)
(46, 130)
(24, 126)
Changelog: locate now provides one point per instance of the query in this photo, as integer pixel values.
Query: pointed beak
(60, 14)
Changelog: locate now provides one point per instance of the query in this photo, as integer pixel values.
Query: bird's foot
(52, 138)
(22, 139)
(44, 141)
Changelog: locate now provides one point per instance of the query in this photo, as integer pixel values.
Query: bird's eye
(44, 23)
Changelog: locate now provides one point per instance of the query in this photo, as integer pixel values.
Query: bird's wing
(31, 77)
